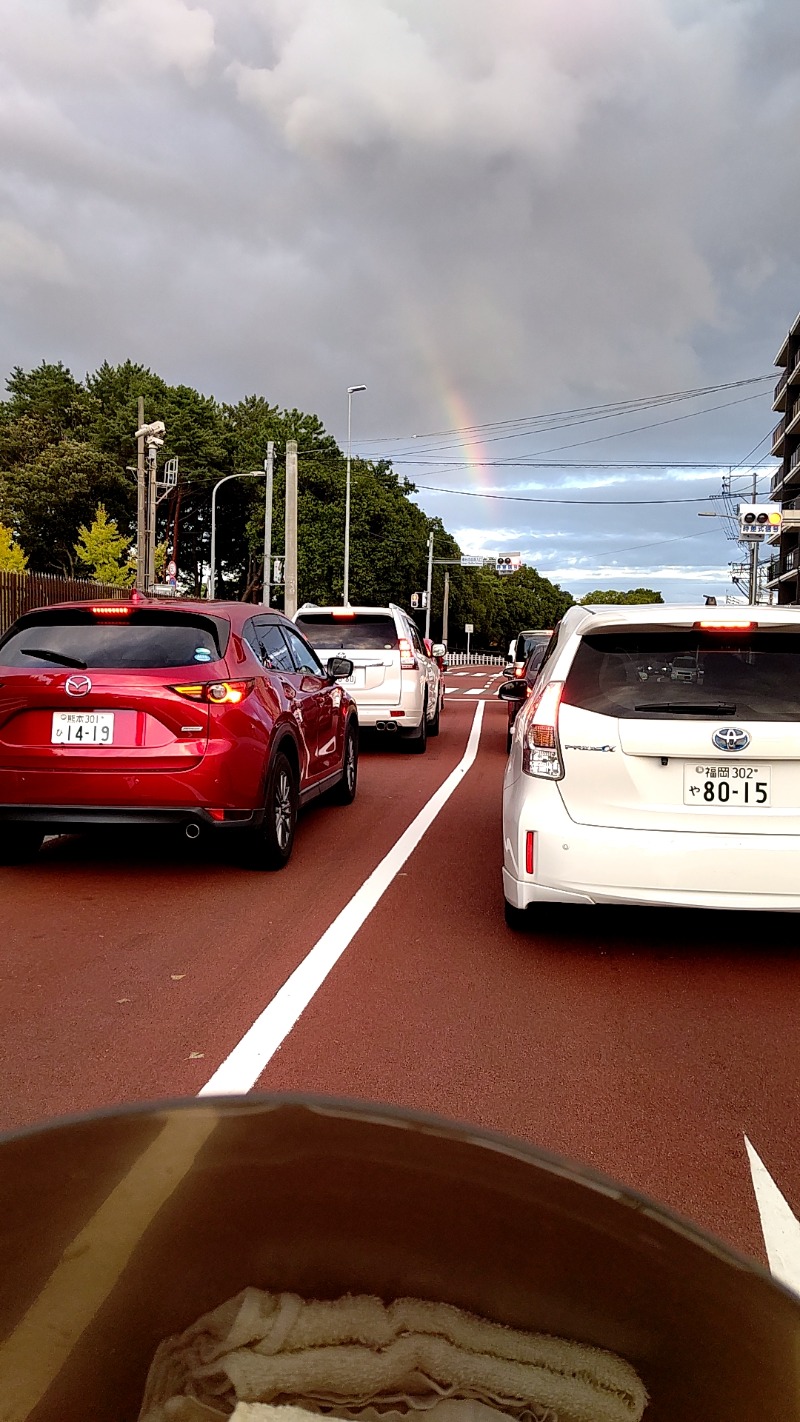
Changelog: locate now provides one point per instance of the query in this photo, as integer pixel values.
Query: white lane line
(242, 1068)
(474, 690)
(779, 1227)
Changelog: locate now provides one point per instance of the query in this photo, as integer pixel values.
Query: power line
(535, 499)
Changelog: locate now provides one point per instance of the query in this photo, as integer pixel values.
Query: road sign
(172, 580)
(756, 521)
(468, 627)
(472, 560)
(509, 562)
(172, 568)
(277, 570)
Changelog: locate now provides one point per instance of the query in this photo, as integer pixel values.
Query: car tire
(433, 726)
(345, 792)
(417, 742)
(19, 843)
(516, 918)
(270, 846)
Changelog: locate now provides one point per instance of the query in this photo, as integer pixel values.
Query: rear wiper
(58, 657)
(691, 708)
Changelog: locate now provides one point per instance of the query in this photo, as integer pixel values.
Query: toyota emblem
(731, 738)
(78, 686)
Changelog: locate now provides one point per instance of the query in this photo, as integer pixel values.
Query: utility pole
(269, 463)
(430, 582)
(151, 514)
(141, 506)
(290, 525)
(445, 605)
(752, 596)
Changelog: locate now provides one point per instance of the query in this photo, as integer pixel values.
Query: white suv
(657, 761)
(396, 685)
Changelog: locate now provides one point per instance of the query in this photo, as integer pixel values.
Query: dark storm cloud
(480, 212)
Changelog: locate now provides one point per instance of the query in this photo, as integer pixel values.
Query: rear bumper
(70, 819)
(585, 864)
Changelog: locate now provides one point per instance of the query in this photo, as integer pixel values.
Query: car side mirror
(339, 667)
(508, 670)
(438, 649)
(513, 691)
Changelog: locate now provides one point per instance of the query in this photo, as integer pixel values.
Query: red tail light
(121, 610)
(726, 626)
(529, 852)
(541, 753)
(519, 669)
(408, 661)
(215, 693)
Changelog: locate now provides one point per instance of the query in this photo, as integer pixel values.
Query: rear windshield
(362, 632)
(139, 640)
(683, 673)
(527, 641)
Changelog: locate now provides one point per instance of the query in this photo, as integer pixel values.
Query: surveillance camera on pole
(151, 431)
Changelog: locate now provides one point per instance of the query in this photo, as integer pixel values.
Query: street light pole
(351, 390)
(429, 587)
(212, 572)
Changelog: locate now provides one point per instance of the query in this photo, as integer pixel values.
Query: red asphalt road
(644, 1043)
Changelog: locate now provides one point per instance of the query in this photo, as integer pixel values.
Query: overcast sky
(485, 212)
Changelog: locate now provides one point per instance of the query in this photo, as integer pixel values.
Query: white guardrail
(479, 659)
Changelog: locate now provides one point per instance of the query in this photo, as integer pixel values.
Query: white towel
(356, 1351)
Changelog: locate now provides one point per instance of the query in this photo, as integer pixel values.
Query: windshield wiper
(691, 708)
(58, 657)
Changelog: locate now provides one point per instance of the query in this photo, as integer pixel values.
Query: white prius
(656, 760)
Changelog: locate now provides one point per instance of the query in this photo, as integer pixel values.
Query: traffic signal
(508, 562)
(756, 521)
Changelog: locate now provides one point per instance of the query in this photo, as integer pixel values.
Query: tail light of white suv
(541, 752)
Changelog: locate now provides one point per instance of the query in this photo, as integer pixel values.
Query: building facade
(784, 566)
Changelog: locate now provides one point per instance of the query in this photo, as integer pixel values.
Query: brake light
(121, 610)
(215, 693)
(408, 661)
(519, 669)
(541, 753)
(342, 612)
(726, 626)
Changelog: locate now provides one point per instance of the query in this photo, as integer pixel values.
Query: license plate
(83, 728)
(358, 677)
(727, 784)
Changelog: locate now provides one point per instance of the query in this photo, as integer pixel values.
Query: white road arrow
(779, 1227)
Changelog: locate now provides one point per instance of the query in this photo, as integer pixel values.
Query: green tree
(47, 499)
(12, 558)
(611, 596)
(105, 551)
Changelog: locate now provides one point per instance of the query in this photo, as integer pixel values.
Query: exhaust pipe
(192, 830)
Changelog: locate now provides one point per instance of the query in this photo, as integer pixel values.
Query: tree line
(68, 501)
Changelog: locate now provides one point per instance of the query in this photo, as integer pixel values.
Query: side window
(416, 639)
(305, 660)
(273, 649)
(551, 646)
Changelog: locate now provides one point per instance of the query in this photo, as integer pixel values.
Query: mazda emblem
(78, 686)
(731, 738)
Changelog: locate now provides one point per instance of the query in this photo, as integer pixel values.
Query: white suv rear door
(680, 729)
(369, 639)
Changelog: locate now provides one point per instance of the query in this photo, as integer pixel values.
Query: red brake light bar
(119, 610)
(726, 626)
(342, 612)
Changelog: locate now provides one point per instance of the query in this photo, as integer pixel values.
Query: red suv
(210, 716)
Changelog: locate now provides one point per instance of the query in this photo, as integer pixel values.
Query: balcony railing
(778, 436)
(780, 390)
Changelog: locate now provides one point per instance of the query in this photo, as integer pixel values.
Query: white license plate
(82, 728)
(727, 784)
(358, 677)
